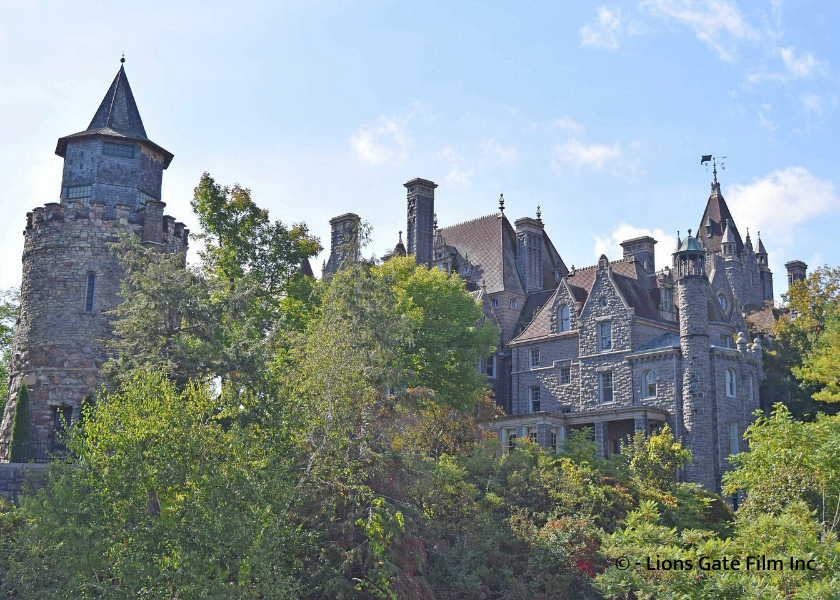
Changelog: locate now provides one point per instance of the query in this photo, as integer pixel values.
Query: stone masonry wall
(59, 347)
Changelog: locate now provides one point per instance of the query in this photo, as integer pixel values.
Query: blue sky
(597, 112)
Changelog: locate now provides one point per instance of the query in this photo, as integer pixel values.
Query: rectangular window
(534, 397)
(90, 287)
(490, 366)
(725, 341)
(120, 150)
(553, 440)
(565, 375)
(494, 303)
(666, 299)
(532, 434)
(534, 356)
(733, 438)
(604, 336)
(514, 303)
(511, 439)
(144, 197)
(79, 192)
(606, 385)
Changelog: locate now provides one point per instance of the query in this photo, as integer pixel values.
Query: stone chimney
(643, 249)
(796, 271)
(344, 241)
(529, 234)
(420, 219)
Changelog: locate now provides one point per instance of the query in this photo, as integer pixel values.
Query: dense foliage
(19, 442)
(263, 435)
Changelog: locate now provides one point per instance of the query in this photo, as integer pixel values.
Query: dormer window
(722, 300)
(666, 299)
(563, 318)
(119, 150)
(514, 303)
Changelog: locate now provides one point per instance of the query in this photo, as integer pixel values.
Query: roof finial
(539, 213)
(689, 233)
(400, 241)
(434, 223)
(502, 204)
(122, 60)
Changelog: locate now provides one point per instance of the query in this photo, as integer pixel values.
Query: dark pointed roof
(716, 215)
(116, 117)
(761, 248)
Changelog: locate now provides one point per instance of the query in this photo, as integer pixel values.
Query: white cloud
(813, 104)
(800, 66)
(603, 32)
(592, 157)
(386, 141)
(764, 119)
(782, 200)
(719, 23)
(568, 124)
(495, 152)
(611, 244)
(459, 177)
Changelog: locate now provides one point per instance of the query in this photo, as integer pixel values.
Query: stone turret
(697, 398)
(796, 271)
(111, 186)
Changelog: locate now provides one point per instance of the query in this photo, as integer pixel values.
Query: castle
(615, 347)
(111, 185)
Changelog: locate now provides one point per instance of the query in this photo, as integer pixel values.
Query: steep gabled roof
(489, 242)
(715, 217)
(116, 117)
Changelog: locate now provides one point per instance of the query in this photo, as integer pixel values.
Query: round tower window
(722, 300)
(603, 302)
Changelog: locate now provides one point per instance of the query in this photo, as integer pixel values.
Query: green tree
(811, 304)
(19, 447)
(789, 461)
(821, 366)
(654, 459)
(164, 501)
(9, 310)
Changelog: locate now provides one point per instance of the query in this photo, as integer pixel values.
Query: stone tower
(697, 398)
(344, 242)
(421, 219)
(111, 185)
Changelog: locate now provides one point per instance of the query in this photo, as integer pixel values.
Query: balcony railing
(37, 452)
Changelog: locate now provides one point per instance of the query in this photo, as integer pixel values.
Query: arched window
(750, 387)
(91, 287)
(649, 384)
(730, 383)
(563, 321)
(722, 300)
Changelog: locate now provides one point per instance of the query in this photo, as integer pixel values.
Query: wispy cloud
(780, 201)
(718, 23)
(385, 141)
(496, 152)
(800, 66)
(813, 104)
(603, 32)
(610, 244)
(593, 157)
(567, 124)
(459, 176)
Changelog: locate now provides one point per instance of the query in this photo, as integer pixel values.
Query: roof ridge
(612, 262)
(469, 221)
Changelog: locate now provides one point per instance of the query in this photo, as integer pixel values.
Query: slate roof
(540, 324)
(531, 307)
(116, 117)
(637, 296)
(306, 269)
(764, 319)
(718, 212)
(489, 243)
(668, 340)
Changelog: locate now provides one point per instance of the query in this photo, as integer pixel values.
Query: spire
(761, 248)
(714, 222)
(502, 205)
(117, 116)
(748, 241)
(118, 110)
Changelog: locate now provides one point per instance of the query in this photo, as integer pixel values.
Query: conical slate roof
(715, 218)
(761, 248)
(116, 117)
(118, 110)
(728, 233)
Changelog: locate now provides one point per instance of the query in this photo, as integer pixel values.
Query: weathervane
(710, 158)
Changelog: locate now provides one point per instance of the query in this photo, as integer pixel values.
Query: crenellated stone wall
(59, 346)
